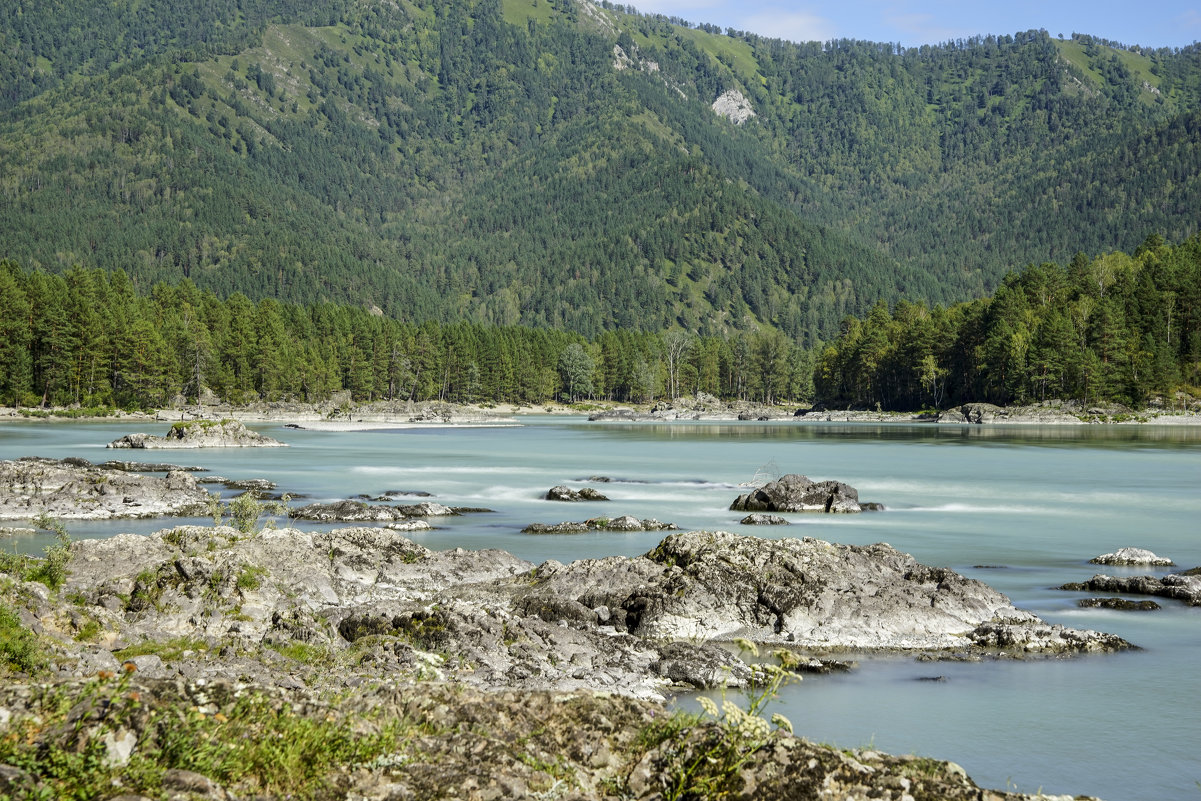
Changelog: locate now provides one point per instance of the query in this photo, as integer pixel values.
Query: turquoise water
(1020, 508)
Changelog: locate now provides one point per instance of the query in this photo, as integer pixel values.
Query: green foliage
(253, 742)
(1119, 328)
(701, 756)
(19, 648)
(486, 161)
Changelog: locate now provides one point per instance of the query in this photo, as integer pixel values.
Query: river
(1021, 508)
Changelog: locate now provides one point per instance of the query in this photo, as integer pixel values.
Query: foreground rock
(75, 489)
(1184, 587)
(425, 740)
(201, 434)
(1139, 557)
(701, 586)
(797, 493)
(358, 606)
(624, 523)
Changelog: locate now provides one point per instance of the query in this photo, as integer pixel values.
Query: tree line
(88, 338)
(1118, 327)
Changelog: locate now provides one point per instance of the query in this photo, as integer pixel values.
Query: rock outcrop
(1136, 557)
(376, 604)
(1122, 604)
(201, 434)
(570, 495)
(1184, 587)
(701, 586)
(76, 489)
(625, 523)
(797, 493)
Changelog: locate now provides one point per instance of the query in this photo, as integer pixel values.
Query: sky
(1151, 23)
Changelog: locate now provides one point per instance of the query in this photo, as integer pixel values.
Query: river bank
(230, 630)
(341, 415)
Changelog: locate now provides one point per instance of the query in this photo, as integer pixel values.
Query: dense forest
(558, 163)
(1115, 328)
(88, 338)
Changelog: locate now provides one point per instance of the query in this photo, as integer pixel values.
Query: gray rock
(76, 489)
(627, 523)
(1122, 604)
(201, 434)
(797, 493)
(701, 586)
(1181, 587)
(1132, 556)
(760, 519)
(562, 493)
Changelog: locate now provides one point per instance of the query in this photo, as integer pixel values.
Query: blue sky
(1159, 23)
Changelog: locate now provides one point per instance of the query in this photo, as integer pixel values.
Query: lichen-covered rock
(1139, 557)
(200, 434)
(797, 493)
(78, 490)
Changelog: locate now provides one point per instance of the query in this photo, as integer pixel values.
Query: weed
(19, 647)
(250, 577)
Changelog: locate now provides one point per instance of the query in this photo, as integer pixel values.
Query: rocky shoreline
(340, 414)
(204, 617)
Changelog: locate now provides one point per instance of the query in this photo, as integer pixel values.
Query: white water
(1029, 506)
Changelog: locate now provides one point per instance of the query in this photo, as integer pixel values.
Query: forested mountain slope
(559, 163)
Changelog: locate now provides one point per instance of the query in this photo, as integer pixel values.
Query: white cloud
(795, 26)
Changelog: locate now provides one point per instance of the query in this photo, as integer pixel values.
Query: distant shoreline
(436, 414)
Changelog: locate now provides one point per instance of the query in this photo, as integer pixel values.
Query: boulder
(562, 493)
(1132, 556)
(760, 519)
(797, 493)
(200, 434)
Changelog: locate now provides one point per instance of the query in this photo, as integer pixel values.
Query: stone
(797, 493)
(1181, 587)
(760, 519)
(1133, 557)
(562, 493)
(1123, 604)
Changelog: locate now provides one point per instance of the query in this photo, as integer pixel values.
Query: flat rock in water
(1123, 604)
(1184, 587)
(626, 523)
(797, 493)
(75, 489)
(200, 434)
(1138, 557)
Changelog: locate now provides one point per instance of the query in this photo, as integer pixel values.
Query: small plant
(52, 570)
(250, 577)
(705, 762)
(19, 648)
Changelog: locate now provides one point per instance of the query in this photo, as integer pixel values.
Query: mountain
(560, 163)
